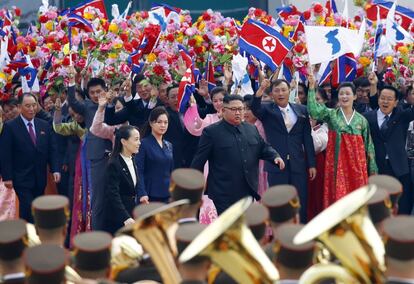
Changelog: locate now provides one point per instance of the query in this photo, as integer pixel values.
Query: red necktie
(31, 133)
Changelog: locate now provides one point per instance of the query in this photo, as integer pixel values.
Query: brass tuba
(231, 245)
(152, 231)
(346, 230)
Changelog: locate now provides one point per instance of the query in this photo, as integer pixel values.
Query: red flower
(192, 42)
(36, 62)
(81, 63)
(198, 50)
(124, 36)
(158, 70)
(298, 48)
(32, 45)
(43, 19)
(170, 38)
(91, 43)
(357, 18)
(258, 12)
(50, 39)
(135, 43)
(206, 17)
(64, 40)
(318, 8)
(307, 15)
(18, 12)
(128, 47)
(105, 25)
(144, 14)
(56, 46)
(66, 61)
(401, 61)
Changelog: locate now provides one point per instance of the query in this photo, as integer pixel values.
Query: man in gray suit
(97, 149)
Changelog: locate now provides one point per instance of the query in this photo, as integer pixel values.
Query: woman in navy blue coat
(155, 160)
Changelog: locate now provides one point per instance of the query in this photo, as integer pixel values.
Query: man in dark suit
(28, 146)
(97, 149)
(136, 111)
(184, 144)
(389, 125)
(233, 149)
(287, 129)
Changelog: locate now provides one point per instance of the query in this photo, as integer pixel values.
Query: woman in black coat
(121, 179)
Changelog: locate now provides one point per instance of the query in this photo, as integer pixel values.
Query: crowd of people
(126, 173)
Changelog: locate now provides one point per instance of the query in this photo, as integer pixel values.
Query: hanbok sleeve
(370, 150)
(317, 111)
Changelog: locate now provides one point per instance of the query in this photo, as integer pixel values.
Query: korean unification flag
(394, 32)
(328, 43)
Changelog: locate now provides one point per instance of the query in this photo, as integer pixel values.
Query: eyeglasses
(235, 109)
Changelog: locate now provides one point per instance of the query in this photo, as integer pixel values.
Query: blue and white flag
(394, 32)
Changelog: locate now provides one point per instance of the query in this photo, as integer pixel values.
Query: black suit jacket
(233, 155)
(95, 147)
(23, 162)
(184, 144)
(392, 141)
(120, 193)
(296, 145)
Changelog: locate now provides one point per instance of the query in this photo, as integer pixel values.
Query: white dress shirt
(292, 115)
(131, 168)
(381, 117)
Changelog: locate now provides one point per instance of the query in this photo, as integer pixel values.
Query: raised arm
(98, 127)
(256, 107)
(192, 120)
(317, 111)
(114, 118)
(76, 105)
(373, 90)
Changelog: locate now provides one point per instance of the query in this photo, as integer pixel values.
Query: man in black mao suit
(233, 149)
(287, 129)
(389, 125)
(28, 145)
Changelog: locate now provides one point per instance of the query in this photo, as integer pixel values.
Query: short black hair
(217, 90)
(361, 82)
(95, 82)
(305, 88)
(248, 100)
(118, 99)
(170, 87)
(228, 99)
(26, 95)
(10, 102)
(347, 84)
(391, 88)
(323, 94)
(277, 82)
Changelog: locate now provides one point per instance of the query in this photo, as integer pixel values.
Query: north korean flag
(264, 43)
(98, 4)
(187, 84)
(403, 16)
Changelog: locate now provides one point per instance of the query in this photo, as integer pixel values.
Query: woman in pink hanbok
(9, 204)
(195, 125)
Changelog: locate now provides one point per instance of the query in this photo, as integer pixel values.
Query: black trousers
(298, 180)
(98, 193)
(26, 196)
(405, 204)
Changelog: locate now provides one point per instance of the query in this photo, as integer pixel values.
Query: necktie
(31, 133)
(286, 118)
(384, 125)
